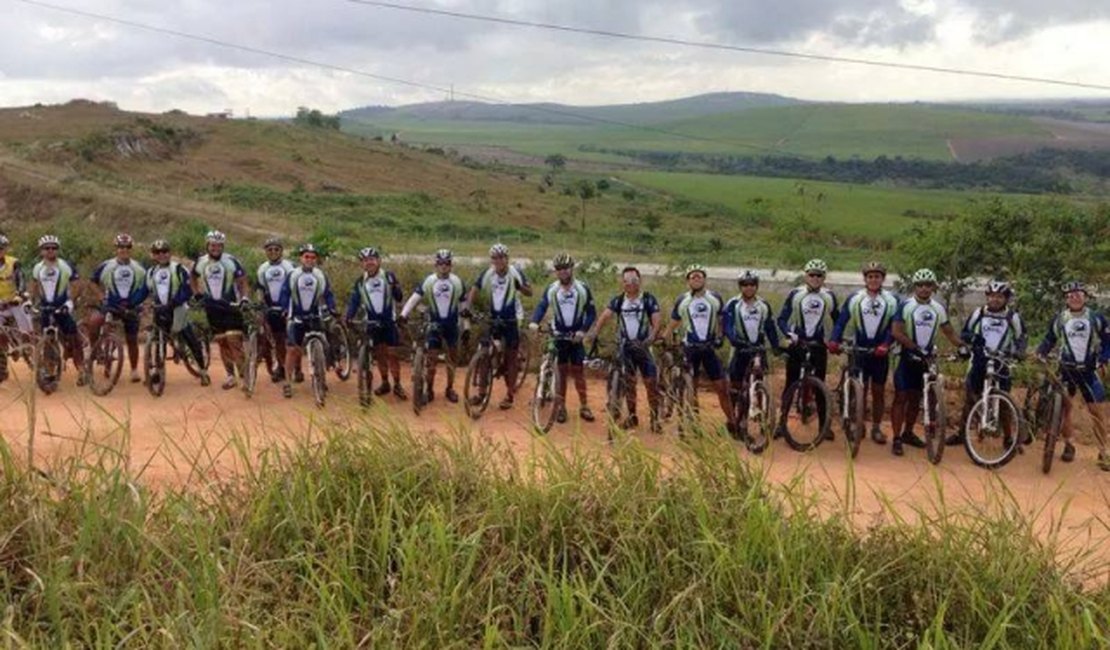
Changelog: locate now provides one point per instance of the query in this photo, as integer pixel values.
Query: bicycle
(420, 352)
(853, 397)
(338, 345)
(487, 364)
(162, 344)
(315, 348)
(933, 408)
(367, 338)
(991, 432)
(754, 397)
(252, 327)
(681, 384)
(1044, 407)
(547, 400)
(105, 362)
(803, 397)
(49, 351)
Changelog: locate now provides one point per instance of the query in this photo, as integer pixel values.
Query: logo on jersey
(308, 282)
(215, 271)
(701, 308)
(124, 273)
(873, 308)
(442, 290)
(163, 276)
(49, 273)
(275, 273)
(1077, 328)
(814, 306)
(567, 297)
(926, 317)
(994, 326)
(375, 284)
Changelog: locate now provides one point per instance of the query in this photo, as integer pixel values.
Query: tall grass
(378, 537)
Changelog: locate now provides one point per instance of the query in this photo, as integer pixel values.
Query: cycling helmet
(696, 268)
(924, 276)
(271, 242)
(307, 247)
(874, 267)
(816, 265)
(123, 240)
(49, 240)
(160, 246)
(562, 261)
(1074, 285)
(999, 286)
(369, 252)
(499, 250)
(215, 237)
(443, 256)
(747, 277)
(4, 241)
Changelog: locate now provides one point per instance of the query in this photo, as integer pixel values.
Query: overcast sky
(46, 56)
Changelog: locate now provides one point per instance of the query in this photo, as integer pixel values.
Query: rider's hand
(244, 303)
(833, 346)
(579, 337)
(793, 339)
(718, 342)
(881, 350)
(535, 327)
(402, 319)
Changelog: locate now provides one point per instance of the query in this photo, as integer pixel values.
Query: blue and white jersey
(168, 285)
(376, 294)
(807, 312)
(307, 293)
(999, 332)
(750, 323)
(271, 278)
(502, 291)
(217, 277)
(442, 296)
(122, 282)
(700, 315)
(634, 315)
(54, 280)
(1084, 337)
(572, 305)
(922, 321)
(869, 317)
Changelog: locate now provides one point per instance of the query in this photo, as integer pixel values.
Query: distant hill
(563, 114)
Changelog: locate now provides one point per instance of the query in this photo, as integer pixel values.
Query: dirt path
(193, 426)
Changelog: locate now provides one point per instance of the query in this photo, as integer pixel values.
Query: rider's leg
(131, 337)
(793, 372)
(511, 365)
(93, 323)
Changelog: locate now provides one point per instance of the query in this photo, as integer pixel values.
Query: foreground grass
(378, 537)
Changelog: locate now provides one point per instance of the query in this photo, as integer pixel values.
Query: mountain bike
(1045, 402)
(368, 333)
(547, 400)
(315, 347)
(422, 355)
(682, 384)
(161, 345)
(105, 361)
(668, 360)
(806, 397)
(933, 408)
(992, 430)
(487, 364)
(753, 397)
(853, 397)
(338, 346)
(48, 350)
(252, 329)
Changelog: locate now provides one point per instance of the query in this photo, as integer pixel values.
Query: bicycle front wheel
(479, 383)
(806, 420)
(105, 365)
(419, 372)
(523, 359)
(934, 430)
(319, 367)
(1052, 431)
(760, 418)
(154, 363)
(340, 343)
(546, 402)
(365, 375)
(852, 413)
(993, 431)
(250, 364)
(50, 362)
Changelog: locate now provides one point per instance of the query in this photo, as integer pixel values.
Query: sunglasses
(563, 268)
(748, 284)
(273, 248)
(49, 248)
(816, 275)
(161, 252)
(123, 248)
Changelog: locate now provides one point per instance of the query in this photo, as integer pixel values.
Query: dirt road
(191, 427)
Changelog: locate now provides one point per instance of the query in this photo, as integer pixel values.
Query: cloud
(999, 21)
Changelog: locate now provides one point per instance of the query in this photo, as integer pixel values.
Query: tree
(556, 161)
(585, 190)
(313, 118)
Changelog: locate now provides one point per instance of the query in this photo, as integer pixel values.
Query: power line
(394, 80)
(731, 48)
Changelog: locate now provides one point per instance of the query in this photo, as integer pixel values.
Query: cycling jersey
(217, 277)
(54, 280)
(749, 323)
(502, 291)
(634, 315)
(869, 316)
(805, 311)
(922, 321)
(168, 285)
(271, 278)
(442, 295)
(1001, 331)
(11, 278)
(377, 294)
(700, 315)
(306, 293)
(573, 307)
(122, 282)
(1084, 337)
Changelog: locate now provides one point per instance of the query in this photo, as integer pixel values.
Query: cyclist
(802, 320)
(996, 328)
(1084, 338)
(121, 285)
(749, 325)
(220, 281)
(916, 324)
(377, 292)
(51, 278)
(868, 313)
(270, 279)
(573, 312)
(305, 295)
(167, 283)
(443, 292)
(12, 296)
(500, 284)
(639, 317)
(699, 313)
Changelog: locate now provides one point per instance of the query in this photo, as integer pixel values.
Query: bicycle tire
(340, 350)
(105, 365)
(194, 366)
(614, 396)
(685, 400)
(546, 401)
(523, 359)
(365, 375)
(1052, 432)
(319, 369)
(250, 364)
(934, 433)
(763, 421)
(1036, 411)
(419, 372)
(50, 364)
(854, 425)
(975, 440)
(795, 398)
(154, 363)
(479, 382)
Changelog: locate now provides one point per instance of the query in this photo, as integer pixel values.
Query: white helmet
(499, 250)
(215, 237)
(49, 240)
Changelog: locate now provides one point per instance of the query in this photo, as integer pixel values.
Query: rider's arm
(967, 334)
(184, 289)
(898, 329)
(353, 303)
(285, 298)
(1021, 337)
(522, 285)
(395, 289)
(590, 314)
(834, 311)
(194, 280)
(1049, 340)
(841, 324)
(94, 282)
(786, 313)
(676, 320)
(329, 299)
(139, 292)
(606, 314)
(541, 309)
(18, 279)
(1104, 339)
(411, 303)
(728, 322)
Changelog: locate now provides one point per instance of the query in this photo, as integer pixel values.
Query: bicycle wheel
(1036, 411)
(50, 361)
(935, 431)
(105, 365)
(1052, 431)
(250, 364)
(806, 420)
(365, 375)
(479, 382)
(615, 403)
(685, 401)
(993, 433)
(761, 420)
(546, 402)
(419, 373)
(339, 344)
(853, 414)
(194, 366)
(523, 359)
(319, 367)
(154, 363)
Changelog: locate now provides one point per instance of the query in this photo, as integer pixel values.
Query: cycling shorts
(909, 373)
(447, 336)
(640, 360)
(223, 318)
(741, 362)
(705, 358)
(1086, 383)
(570, 352)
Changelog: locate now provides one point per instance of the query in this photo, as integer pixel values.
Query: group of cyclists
(897, 331)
